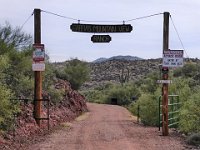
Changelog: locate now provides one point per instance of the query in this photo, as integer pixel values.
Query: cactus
(124, 77)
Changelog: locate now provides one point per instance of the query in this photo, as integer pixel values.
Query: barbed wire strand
(21, 27)
(179, 36)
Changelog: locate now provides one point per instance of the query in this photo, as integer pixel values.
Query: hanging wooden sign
(93, 28)
(100, 38)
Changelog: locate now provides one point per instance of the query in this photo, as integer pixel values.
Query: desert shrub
(133, 108)
(13, 38)
(49, 76)
(95, 96)
(98, 94)
(15, 71)
(194, 139)
(7, 109)
(55, 95)
(180, 86)
(177, 72)
(188, 70)
(190, 115)
(148, 109)
(76, 72)
(148, 84)
(104, 94)
(123, 94)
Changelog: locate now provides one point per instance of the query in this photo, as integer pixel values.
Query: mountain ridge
(119, 57)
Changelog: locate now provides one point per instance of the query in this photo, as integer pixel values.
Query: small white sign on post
(38, 66)
(164, 81)
(173, 58)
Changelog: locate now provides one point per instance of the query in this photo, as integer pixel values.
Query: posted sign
(38, 57)
(173, 58)
(164, 81)
(38, 53)
(38, 66)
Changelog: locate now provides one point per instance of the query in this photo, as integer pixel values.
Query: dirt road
(107, 127)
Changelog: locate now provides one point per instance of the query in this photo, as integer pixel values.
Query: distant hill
(109, 71)
(102, 59)
(128, 58)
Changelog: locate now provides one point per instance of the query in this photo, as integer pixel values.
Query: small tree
(13, 39)
(76, 72)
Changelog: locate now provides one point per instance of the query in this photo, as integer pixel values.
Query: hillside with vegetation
(119, 71)
(17, 123)
(134, 83)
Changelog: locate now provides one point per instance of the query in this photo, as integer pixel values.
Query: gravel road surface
(108, 127)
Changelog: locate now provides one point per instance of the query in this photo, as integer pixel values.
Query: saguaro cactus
(124, 77)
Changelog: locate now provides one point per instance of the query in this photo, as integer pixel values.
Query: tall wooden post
(165, 128)
(38, 74)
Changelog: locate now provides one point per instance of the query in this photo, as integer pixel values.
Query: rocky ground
(26, 130)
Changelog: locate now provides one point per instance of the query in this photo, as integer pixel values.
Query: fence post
(159, 112)
(138, 114)
(172, 109)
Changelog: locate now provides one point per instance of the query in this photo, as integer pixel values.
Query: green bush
(104, 94)
(148, 84)
(188, 70)
(48, 76)
(76, 72)
(147, 105)
(7, 109)
(148, 109)
(190, 115)
(95, 96)
(15, 72)
(123, 94)
(55, 95)
(120, 94)
(194, 139)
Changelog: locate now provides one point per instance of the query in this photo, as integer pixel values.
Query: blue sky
(144, 41)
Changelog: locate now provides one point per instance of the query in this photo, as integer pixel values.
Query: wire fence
(24, 102)
(151, 114)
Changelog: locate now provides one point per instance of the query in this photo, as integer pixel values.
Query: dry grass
(82, 117)
(66, 124)
(133, 118)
